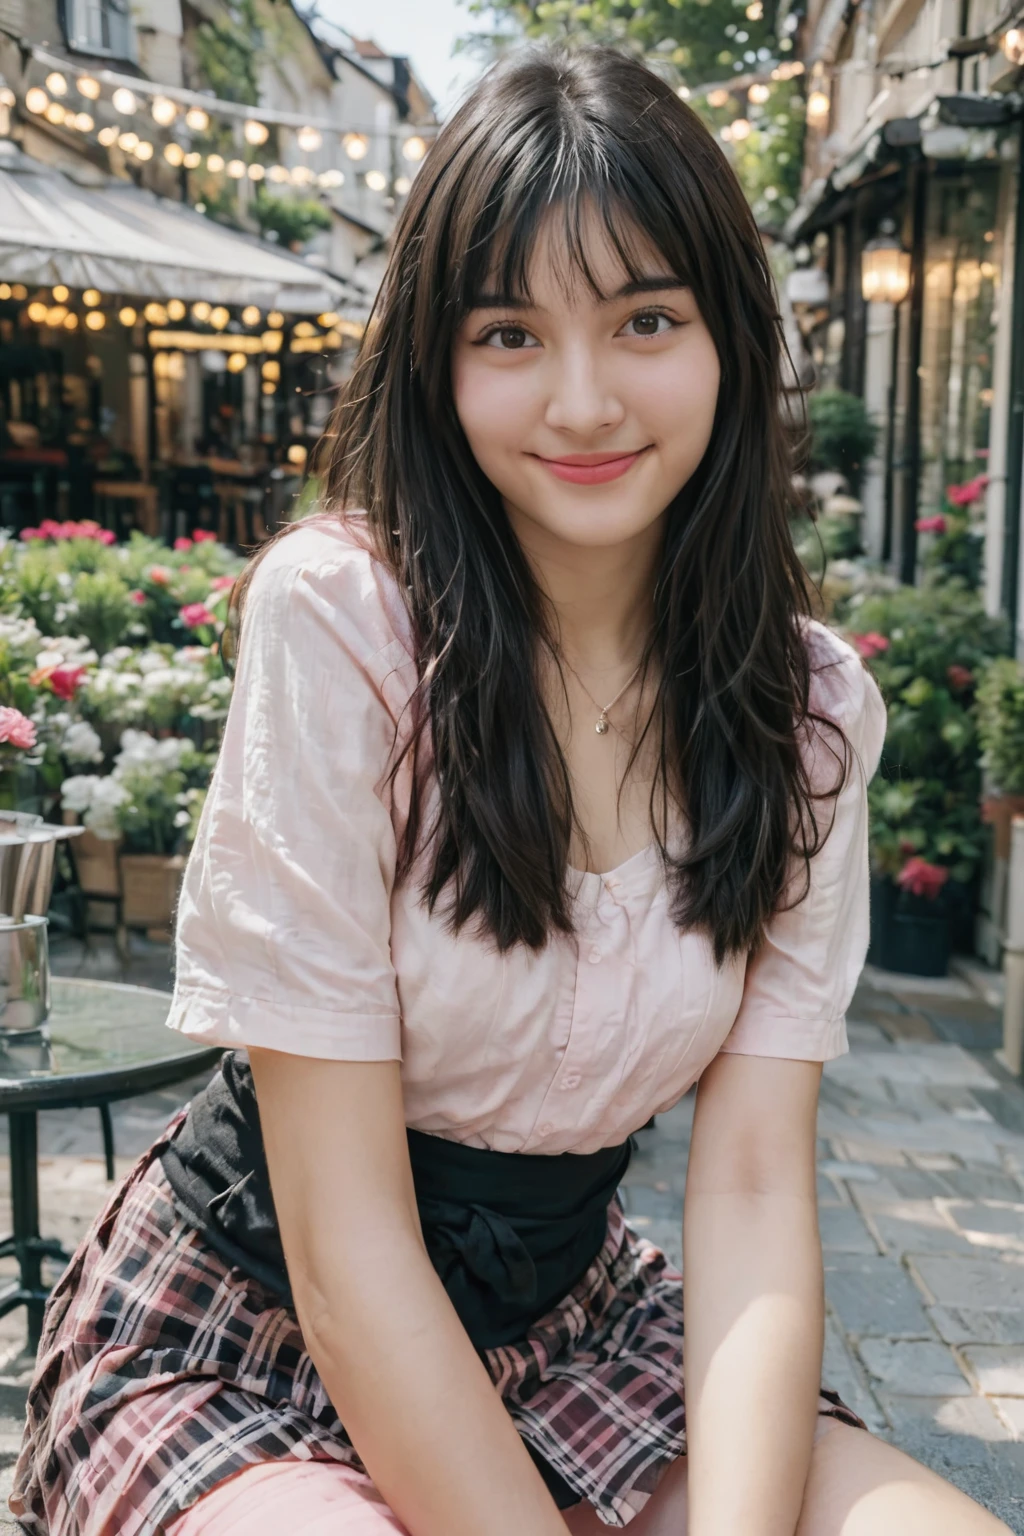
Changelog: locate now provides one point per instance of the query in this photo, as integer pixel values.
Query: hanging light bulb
(36, 100)
(251, 315)
(414, 148)
(376, 181)
(256, 133)
(271, 369)
(331, 178)
(197, 119)
(127, 315)
(55, 113)
(193, 160)
(817, 107)
(71, 321)
(303, 175)
(403, 186)
(1012, 45)
(219, 317)
(107, 136)
(754, 11)
(127, 141)
(215, 163)
(95, 319)
(278, 173)
(91, 297)
(235, 169)
(83, 122)
(201, 311)
(144, 150)
(37, 312)
(308, 140)
(60, 294)
(356, 145)
(718, 98)
(237, 362)
(88, 87)
(175, 309)
(164, 110)
(56, 84)
(267, 388)
(174, 154)
(55, 315)
(759, 93)
(256, 172)
(155, 313)
(885, 267)
(740, 128)
(123, 101)
(275, 320)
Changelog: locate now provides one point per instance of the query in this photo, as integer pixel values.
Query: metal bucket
(28, 848)
(24, 975)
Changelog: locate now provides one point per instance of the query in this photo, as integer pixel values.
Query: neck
(600, 597)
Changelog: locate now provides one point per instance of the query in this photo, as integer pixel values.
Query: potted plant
(843, 436)
(926, 646)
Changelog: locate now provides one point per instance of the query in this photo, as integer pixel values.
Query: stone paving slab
(921, 1195)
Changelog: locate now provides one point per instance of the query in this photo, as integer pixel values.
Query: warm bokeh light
(201, 311)
(256, 133)
(356, 145)
(123, 101)
(95, 319)
(56, 84)
(127, 315)
(275, 320)
(36, 100)
(88, 87)
(61, 293)
(817, 107)
(37, 312)
(127, 141)
(271, 369)
(215, 163)
(164, 111)
(251, 315)
(174, 154)
(193, 160)
(144, 150)
(376, 181)
(155, 313)
(235, 169)
(176, 309)
(107, 136)
(197, 119)
(219, 317)
(236, 362)
(71, 321)
(415, 147)
(308, 140)
(91, 297)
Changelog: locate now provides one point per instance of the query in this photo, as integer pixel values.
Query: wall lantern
(885, 268)
(1012, 45)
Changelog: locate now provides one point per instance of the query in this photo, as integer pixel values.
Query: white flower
(65, 580)
(82, 744)
(77, 792)
(118, 654)
(182, 819)
(150, 661)
(51, 658)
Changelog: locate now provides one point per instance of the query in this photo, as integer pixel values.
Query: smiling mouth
(592, 468)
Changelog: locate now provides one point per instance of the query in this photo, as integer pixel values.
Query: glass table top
(102, 1040)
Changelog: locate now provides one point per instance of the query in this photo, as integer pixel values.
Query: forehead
(576, 254)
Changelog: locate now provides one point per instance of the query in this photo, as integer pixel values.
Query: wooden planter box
(150, 883)
(95, 860)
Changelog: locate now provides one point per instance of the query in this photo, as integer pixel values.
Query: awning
(120, 239)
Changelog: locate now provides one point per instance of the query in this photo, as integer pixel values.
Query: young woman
(540, 799)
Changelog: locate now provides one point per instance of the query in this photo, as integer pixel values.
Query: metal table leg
(25, 1242)
(108, 1140)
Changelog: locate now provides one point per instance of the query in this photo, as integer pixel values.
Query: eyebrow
(657, 284)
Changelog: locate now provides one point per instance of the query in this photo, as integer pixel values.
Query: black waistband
(509, 1233)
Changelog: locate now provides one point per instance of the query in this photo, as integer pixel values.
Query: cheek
(492, 405)
(675, 396)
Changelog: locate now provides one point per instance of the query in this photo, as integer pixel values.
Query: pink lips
(592, 468)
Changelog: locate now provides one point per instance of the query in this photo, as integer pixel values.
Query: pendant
(602, 726)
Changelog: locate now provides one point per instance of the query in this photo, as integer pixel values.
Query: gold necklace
(603, 724)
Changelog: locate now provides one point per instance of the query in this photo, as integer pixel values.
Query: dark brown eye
(512, 336)
(646, 325)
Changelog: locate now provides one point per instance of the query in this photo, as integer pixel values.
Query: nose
(582, 398)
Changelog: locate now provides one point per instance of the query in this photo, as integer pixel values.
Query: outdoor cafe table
(103, 1041)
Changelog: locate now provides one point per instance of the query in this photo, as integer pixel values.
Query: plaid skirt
(162, 1370)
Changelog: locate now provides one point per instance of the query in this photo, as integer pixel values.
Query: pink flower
(31, 533)
(16, 729)
(184, 568)
(959, 677)
(222, 583)
(159, 575)
(963, 495)
(183, 543)
(48, 529)
(194, 615)
(205, 536)
(65, 681)
(137, 597)
(921, 878)
(936, 524)
(871, 644)
(107, 536)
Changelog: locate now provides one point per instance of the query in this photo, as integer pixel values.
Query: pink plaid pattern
(163, 1371)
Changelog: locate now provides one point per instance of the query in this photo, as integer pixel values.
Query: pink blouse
(292, 933)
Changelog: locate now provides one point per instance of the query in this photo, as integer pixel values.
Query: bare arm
(753, 1295)
(395, 1360)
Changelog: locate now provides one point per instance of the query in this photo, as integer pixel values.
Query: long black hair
(566, 133)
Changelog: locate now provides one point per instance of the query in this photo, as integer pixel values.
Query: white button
(546, 1128)
(595, 957)
(570, 1080)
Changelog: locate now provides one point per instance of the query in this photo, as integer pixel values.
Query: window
(100, 27)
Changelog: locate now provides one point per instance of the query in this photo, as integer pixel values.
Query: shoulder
(843, 691)
(321, 578)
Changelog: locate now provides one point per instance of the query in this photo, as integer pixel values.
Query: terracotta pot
(149, 888)
(998, 812)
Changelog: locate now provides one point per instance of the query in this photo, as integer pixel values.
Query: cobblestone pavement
(921, 1192)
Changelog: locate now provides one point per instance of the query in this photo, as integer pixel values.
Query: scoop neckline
(641, 857)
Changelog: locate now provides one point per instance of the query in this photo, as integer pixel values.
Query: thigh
(860, 1485)
(318, 1498)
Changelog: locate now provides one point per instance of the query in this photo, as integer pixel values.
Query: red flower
(921, 878)
(137, 597)
(65, 681)
(222, 583)
(871, 644)
(971, 490)
(194, 615)
(936, 524)
(959, 677)
(31, 533)
(204, 536)
(183, 543)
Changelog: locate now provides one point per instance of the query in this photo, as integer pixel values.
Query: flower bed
(112, 690)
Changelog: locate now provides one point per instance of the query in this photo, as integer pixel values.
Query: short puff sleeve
(283, 923)
(799, 984)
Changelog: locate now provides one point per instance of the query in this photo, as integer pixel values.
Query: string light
(256, 171)
(36, 100)
(403, 186)
(88, 87)
(250, 315)
(95, 319)
(817, 107)
(173, 153)
(219, 317)
(215, 163)
(235, 169)
(144, 150)
(355, 145)
(236, 362)
(1013, 45)
(56, 315)
(127, 141)
(718, 98)
(37, 312)
(759, 93)
(256, 133)
(193, 160)
(754, 11)
(741, 128)
(123, 101)
(303, 176)
(331, 178)
(71, 322)
(127, 315)
(305, 329)
(267, 388)
(91, 297)
(155, 313)
(414, 148)
(308, 140)
(61, 294)
(327, 319)
(164, 111)
(56, 84)
(19, 291)
(197, 119)
(176, 309)
(275, 320)
(278, 173)
(6, 291)
(83, 122)
(271, 369)
(376, 181)
(55, 113)
(201, 311)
